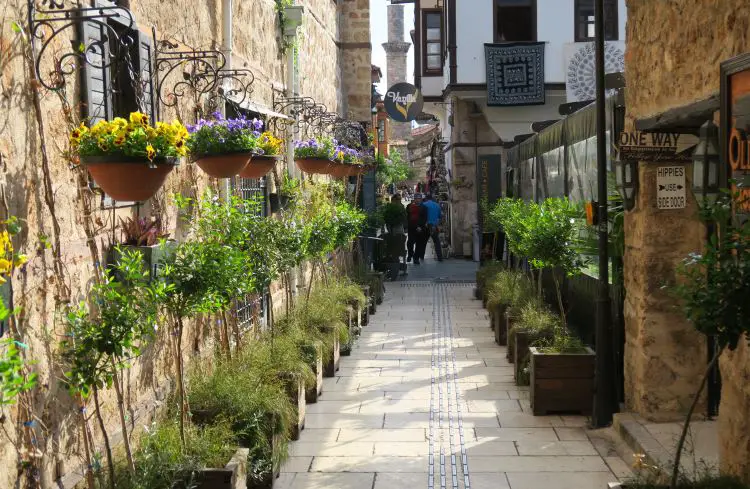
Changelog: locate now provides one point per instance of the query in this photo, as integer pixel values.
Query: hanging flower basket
(128, 158)
(259, 166)
(129, 178)
(340, 170)
(318, 166)
(224, 165)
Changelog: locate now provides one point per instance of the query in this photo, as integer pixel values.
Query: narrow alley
(427, 399)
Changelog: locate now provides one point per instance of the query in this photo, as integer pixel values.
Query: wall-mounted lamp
(706, 163)
(626, 178)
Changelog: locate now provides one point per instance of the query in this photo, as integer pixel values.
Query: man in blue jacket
(434, 213)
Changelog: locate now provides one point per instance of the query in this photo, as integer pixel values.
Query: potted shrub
(148, 237)
(394, 216)
(287, 188)
(562, 375)
(313, 353)
(267, 154)
(485, 273)
(504, 289)
(130, 159)
(315, 155)
(534, 323)
(223, 147)
(209, 459)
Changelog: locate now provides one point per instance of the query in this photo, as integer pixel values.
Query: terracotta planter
(317, 166)
(127, 178)
(259, 166)
(339, 170)
(562, 382)
(224, 165)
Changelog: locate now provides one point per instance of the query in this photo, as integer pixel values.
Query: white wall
(474, 27)
(432, 86)
(555, 26)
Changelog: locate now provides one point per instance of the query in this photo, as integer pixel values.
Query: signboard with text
(670, 187)
(735, 116)
(655, 146)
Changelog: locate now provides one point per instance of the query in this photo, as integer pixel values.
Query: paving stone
(382, 435)
(558, 480)
(331, 449)
(347, 421)
(571, 433)
(517, 434)
(375, 463)
(296, 464)
(310, 434)
(402, 449)
(323, 481)
(543, 463)
(330, 407)
(388, 480)
(556, 448)
(490, 480)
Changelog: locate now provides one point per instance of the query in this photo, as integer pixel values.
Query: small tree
(714, 287)
(103, 339)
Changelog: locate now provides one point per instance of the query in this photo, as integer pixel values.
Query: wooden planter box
(520, 355)
(295, 389)
(378, 279)
(370, 295)
(314, 391)
(497, 316)
(510, 352)
(562, 382)
(266, 482)
(331, 363)
(232, 476)
(352, 313)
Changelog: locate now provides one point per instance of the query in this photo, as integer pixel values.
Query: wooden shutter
(145, 64)
(96, 80)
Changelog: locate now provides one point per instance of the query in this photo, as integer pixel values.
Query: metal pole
(603, 398)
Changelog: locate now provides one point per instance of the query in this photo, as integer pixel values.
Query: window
(584, 20)
(108, 87)
(432, 42)
(515, 20)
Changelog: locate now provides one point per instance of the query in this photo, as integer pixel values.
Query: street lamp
(706, 163)
(626, 177)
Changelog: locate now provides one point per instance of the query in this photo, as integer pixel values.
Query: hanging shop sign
(403, 102)
(655, 146)
(735, 126)
(670, 187)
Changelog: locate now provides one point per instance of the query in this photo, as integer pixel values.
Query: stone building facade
(672, 60)
(396, 50)
(66, 232)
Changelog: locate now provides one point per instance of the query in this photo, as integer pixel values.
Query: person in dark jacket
(416, 217)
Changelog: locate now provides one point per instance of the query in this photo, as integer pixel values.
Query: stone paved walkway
(427, 400)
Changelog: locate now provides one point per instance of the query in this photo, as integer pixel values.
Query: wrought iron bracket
(52, 19)
(181, 71)
(233, 87)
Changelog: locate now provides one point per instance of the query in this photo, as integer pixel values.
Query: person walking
(434, 213)
(416, 215)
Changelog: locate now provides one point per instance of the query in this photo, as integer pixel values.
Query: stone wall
(356, 62)
(41, 290)
(465, 133)
(673, 54)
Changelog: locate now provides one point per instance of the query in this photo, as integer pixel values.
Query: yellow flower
(138, 118)
(21, 260)
(120, 123)
(103, 145)
(119, 140)
(5, 266)
(150, 152)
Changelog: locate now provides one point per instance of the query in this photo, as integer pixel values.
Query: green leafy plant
(510, 288)
(13, 379)
(102, 340)
(714, 286)
(392, 170)
(349, 222)
(394, 214)
(163, 461)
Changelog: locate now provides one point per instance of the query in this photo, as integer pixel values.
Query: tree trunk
(686, 425)
(121, 409)
(180, 383)
(86, 448)
(560, 300)
(107, 447)
(312, 279)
